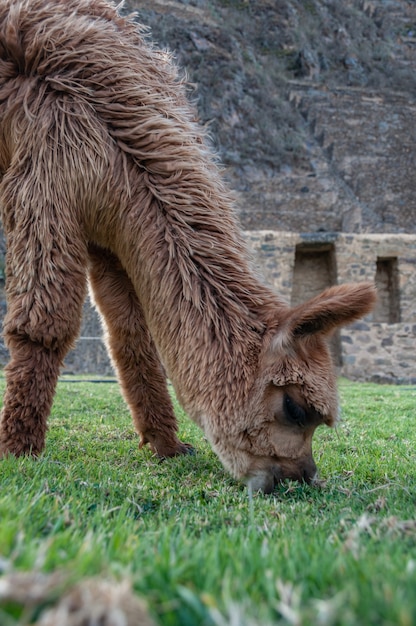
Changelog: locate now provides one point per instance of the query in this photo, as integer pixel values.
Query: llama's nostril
(306, 477)
(309, 471)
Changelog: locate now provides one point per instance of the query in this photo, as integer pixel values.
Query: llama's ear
(334, 307)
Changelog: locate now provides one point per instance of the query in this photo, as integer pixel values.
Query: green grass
(190, 541)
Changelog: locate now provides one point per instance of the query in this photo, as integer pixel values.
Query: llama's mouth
(265, 480)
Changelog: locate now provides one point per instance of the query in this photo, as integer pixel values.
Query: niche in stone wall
(315, 269)
(387, 281)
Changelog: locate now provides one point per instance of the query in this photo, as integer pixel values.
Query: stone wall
(379, 348)
(370, 349)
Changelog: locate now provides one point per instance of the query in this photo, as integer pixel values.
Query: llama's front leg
(42, 321)
(134, 355)
(31, 377)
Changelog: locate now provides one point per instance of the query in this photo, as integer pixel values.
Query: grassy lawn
(188, 538)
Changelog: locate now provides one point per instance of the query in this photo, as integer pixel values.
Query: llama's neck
(206, 310)
(182, 248)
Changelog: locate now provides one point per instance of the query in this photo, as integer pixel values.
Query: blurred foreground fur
(91, 602)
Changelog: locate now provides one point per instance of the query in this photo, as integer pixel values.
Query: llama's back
(85, 49)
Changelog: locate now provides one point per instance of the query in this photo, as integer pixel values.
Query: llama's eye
(293, 411)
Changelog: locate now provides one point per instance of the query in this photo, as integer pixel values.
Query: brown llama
(105, 175)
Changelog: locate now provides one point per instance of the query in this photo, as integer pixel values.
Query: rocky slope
(309, 104)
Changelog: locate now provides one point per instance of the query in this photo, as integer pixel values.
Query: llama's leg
(45, 289)
(134, 355)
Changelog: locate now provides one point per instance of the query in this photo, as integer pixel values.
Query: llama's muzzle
(266, 479)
